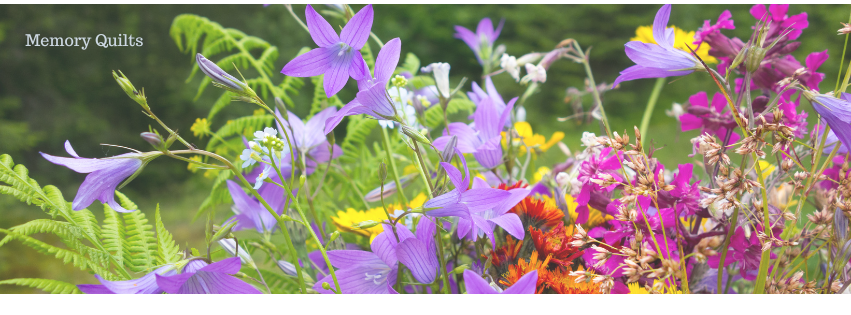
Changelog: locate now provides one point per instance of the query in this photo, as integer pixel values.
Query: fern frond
(434, 115)
(67, 256)
(112, 233)
(46, 285)
(320, 100)
(167, 250)
(141, 245)
(238, 127)
(357, 131)
(67, 233)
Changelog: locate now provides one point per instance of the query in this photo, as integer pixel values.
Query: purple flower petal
(356, 31)
(375, 99)
(420, 259)
(511, 223)
(320, 30)
(337, 73)
(311, 63)
(660, 24)
(358, 69)
(526, 284)
(475, 284)
(387, 59)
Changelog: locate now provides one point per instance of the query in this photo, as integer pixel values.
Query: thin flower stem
(651, 103)
(759, 285)
(387, 149)
(306, 224)
(280, 219)
(841, 60)
(734, 220)
(199, 163)
(297, 19)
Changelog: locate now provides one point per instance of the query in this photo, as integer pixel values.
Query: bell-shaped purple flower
(105, 175)
(657, 60)
(250, 214)
(482, 138)
(309, 139)
(482, 39)
(144, 285)
(475, 284)
(338, 57)
(373, 99)
(462, 201)
(836, 112)
(483, 222)
(198, 277)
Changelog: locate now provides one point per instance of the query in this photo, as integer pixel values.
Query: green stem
(651, 103)
(759, 285)
(399, 189)
(841, 60)
(734, 220)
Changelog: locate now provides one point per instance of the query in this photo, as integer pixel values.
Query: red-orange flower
(537, 213)
(563, 283)
(507, 253)
(515, 272)
(556, 243)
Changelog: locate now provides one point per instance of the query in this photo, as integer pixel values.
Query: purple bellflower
(482, 40)
(373, 99)
(338, 57)
(363, 272)
(836, 112)
(657, 61)
(477, 95)
(483, 222)
(461, 201)
(198, 277)
(309, 139)
(482, 138)
(144, 285)
(250, 214)
(105, 175)
(475, 284)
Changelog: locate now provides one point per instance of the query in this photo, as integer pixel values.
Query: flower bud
(382, 171)
(288, 268)
(131, 91)
(415, 135)
(449, 149)
(441, 77)
(365, 224)
(460, 269)
(399, 81)
(330, 138)
(220, 78)
(326, 286)
(334, 237)
(154, 139)
(301, 180)
(233, 249)
(223, 231)
(753, 58)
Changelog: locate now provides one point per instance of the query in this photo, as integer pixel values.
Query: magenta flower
(362, 272)
(745, 251)
(338, 57)
(373, 99)
(105, 175)
(144, 285)
(482, 40)
(482, 137)
(657, 60)
(309, 139)
(686, 196)
(483, 222)
(198, 277)
(593, 168)
(715, 119)
(475, 284)
(461, 201)
(725, 21)
(780, 21)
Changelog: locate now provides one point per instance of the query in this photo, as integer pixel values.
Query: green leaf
(46, 285)
(167, 250)
(141, 245)
(411, 64)
(113, 234)
(434, 115)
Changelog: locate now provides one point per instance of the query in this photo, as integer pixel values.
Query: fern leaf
(356, 132)
(167, 250)
(320, 99)
(434, 115)
(112, 233)
(141, 245)
(240, 126)
(67, 256)
(46, 285)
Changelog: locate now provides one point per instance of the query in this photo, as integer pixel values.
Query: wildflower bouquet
(422, 185)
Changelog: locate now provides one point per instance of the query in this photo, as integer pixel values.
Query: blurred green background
(50, 94)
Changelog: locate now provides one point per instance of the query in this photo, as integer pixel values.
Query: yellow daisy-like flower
(634, 288)
(539, 174)
(529, 139)
(201, 127)
(595, 217)
(682, 38)
(345, 220)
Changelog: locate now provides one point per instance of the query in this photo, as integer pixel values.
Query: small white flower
(263, 175)
(403, 101)
(441, 76)
(509, 64)
(589, 139)
(267, 133)
(676, 111)
(562, 179)
(535, 73)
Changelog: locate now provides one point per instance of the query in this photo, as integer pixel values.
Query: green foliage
(434, 115)
(239, 127)
(320, 100)
(46, 285)
(122, 242)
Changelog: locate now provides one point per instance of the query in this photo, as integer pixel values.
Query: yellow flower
(201, 127)
(531, 140)
(345, 220)
(766, 168)
(634, 288)
(192, 167)
(539, 174)
(644, 34)
(259, 112)
(595, 217)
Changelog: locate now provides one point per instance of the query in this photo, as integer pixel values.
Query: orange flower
(515, 272)
(562, 283)
(506, 254)
(556, 243)
(537, 213)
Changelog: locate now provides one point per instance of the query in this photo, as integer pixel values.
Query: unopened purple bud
(218, 75)
(287, 267)
(153, 138)
(449, 150)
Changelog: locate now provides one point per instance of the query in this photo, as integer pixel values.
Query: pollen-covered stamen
(376, 278)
